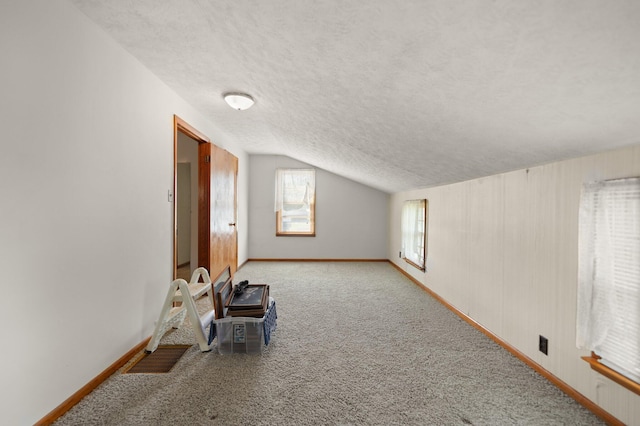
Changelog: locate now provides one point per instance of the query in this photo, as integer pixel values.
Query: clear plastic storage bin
(245, 334)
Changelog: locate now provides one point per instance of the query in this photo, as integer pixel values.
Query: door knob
(232, 224)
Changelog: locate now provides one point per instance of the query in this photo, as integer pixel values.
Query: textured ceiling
(399, 94)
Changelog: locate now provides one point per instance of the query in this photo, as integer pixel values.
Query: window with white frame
(608, 314)
(295, 202)
(414, 232)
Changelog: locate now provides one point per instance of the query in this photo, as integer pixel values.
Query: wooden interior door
(218, 175)
(217, 203)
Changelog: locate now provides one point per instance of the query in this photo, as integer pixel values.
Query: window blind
(608, 321)
(295, 201)
(414, 231)
(294, 187)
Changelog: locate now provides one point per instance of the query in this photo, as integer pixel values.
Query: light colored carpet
(356, 344)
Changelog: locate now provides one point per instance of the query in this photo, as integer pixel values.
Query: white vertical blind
(414, 231)
(608, 319)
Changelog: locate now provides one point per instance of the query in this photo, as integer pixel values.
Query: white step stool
(173, 316)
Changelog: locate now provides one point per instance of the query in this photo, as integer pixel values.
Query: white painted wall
(351, 219)
(504, 250)
(85, 224)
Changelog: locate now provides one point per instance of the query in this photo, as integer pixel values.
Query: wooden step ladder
(173, 315)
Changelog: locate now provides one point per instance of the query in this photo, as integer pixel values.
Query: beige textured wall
(503, 250)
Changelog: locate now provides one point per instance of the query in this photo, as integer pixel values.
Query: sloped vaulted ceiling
(399, 94)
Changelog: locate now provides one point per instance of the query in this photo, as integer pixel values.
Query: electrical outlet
(543, 345)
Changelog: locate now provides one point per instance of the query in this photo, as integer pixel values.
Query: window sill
(295, 234)
(612, 374)
(415, 265)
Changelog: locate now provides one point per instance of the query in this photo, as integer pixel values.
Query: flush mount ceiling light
(239, 101)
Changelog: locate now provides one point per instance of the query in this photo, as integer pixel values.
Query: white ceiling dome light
(239, 101)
